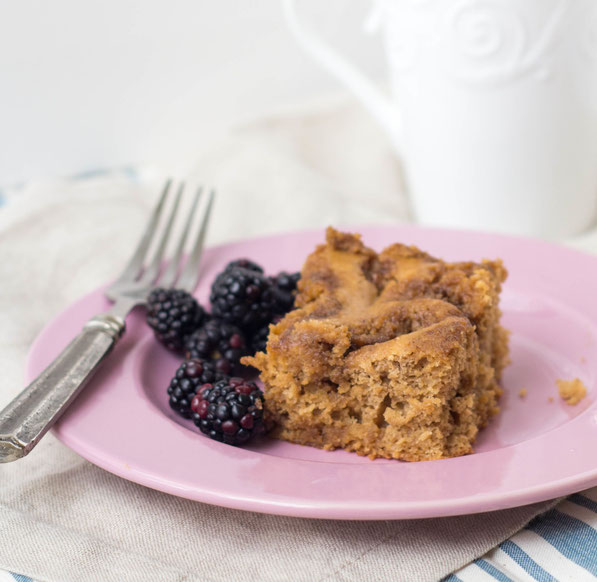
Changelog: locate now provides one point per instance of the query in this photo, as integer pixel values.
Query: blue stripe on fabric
(526, 562)
(492, 570)
(20, 577)
(128, 171)
(131, 172)
(571, 537)
(2, 198)
(584, 501)
(91, 173)
(451, 578)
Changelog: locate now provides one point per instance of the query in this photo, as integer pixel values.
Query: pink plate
(536, 449)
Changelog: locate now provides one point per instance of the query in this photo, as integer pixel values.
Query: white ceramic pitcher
(494, 109)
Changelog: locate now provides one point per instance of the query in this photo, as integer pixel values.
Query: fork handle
(33, 412)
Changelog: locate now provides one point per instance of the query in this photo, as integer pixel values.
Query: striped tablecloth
(558, 546)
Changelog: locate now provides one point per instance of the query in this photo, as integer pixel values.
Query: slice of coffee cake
(391, 355)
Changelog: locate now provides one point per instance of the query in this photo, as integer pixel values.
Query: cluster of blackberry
(244, 301)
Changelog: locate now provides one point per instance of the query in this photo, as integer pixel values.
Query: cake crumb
(571, 391)
(522, 393)
(550, 399)
(583, 360)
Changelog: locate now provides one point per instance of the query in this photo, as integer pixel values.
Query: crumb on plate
(571, 391)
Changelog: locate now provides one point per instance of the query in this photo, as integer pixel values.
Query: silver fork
(33, 412)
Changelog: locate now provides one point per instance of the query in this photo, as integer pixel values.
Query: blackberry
(242, 297)
(284, 290)
(259, 338)
(286, 281)
(188, 378)
(283, 301)
(229, 411)
(217, 340)
(172, 314)
(244, 264)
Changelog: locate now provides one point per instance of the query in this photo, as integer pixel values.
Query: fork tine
(153, 269)
(169, 276)
(133, 267)
(190, 275)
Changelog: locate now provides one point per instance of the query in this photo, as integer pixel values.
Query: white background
(93, 84)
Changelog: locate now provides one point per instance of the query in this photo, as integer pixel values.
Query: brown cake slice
(394, 355)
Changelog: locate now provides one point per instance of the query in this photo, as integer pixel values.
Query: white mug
(494, 109)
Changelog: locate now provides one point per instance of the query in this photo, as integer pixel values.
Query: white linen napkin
(63, 519)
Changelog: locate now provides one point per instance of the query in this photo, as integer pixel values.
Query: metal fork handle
(33, 412)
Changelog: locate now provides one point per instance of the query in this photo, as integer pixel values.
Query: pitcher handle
(378, 104)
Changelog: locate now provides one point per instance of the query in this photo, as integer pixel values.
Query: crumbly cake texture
(395, 355)
(571, 391)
